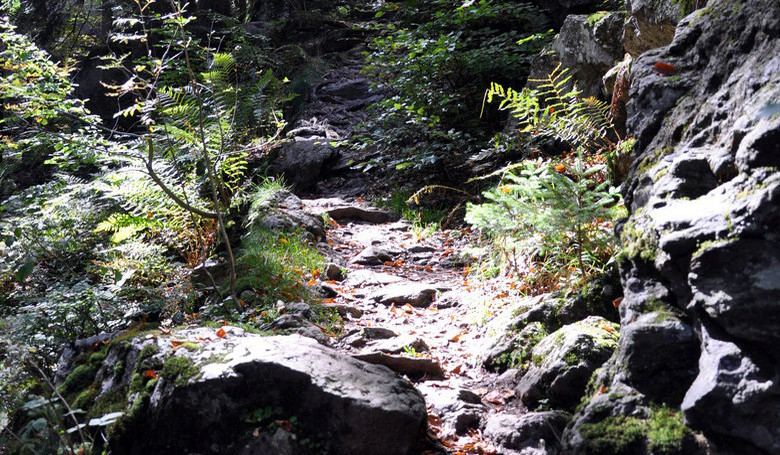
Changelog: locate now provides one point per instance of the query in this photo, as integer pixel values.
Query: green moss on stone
(78, 380)
(119, 369)
(638, 243)
(147, 351)
(594, 18)
(614, 436)
(84, 399)
(190, 346)
(179, 370)
(114, 400)
(99, 356)
(666, 431)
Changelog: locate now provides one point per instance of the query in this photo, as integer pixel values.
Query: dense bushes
(433, 60)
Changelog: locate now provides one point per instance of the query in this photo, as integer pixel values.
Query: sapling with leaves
(552, 214)
(555, 213)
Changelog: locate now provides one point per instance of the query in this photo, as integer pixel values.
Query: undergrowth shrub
(553, 216)
(432, 59)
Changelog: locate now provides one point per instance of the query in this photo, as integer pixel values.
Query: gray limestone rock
(589, 46)
(204, 397)
(415, 294)
(563, 362)
(303, 160)
(539, 431)
(701, 267)
(284, 211)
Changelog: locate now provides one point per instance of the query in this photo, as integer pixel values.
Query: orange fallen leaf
(150, 374)
(221, 333)
(455, 338)
(285, 425)
(616, 303)
(560, 168)
(664, 69)
(311, 282)
(176, 343)
(315, 273)
(457, 369)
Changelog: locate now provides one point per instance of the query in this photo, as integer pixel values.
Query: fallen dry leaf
(221, 333)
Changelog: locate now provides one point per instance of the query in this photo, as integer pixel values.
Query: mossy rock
(662, 432)
(179, 370)
(563, 362)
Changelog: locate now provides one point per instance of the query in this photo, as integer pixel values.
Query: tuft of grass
(424, 219)
(276, 265)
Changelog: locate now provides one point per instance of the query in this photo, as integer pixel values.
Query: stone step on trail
(341, 210)
(415, 294)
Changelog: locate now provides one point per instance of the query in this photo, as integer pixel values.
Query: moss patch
(78, 380)
(179, 370)
(638, 243)
(666, 431)
(662, 433)
(594, 18)
(614, 436)
(112, 401)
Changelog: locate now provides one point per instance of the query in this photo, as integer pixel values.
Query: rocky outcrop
(590, 45)
(304, 160)
(651, 23)
(285, 212)
(531, 433)
(204, 390)
(701, 265)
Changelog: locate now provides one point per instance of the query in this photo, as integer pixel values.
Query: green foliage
(555, 109)
(666, 431)
(422, 217)
(614, 436)
(554, 219)
(36, 114)
(553, 216)
(274, 265)
(179, 370)
(433, 59)
(663, 432)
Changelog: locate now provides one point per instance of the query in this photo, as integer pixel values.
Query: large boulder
(589, 45)
(212, 391)
(304, 160)
(284, 212)
(700, 270)
(533, 432)
(565, 360)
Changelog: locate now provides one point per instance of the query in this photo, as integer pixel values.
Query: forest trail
(406, 297)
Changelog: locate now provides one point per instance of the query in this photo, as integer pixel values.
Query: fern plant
(555, 109)
(555, 215)
(180, 176)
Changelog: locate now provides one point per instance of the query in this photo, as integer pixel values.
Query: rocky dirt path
(407, 299)
(407, 303)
